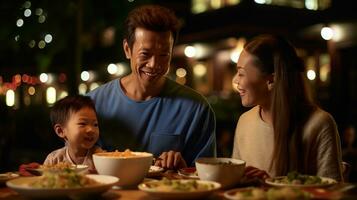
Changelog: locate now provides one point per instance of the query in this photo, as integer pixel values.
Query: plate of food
(294, 179)
(56, 167)
(188, 172)
(252, 193)
(179, 188)
(7, 176)
(66, 183)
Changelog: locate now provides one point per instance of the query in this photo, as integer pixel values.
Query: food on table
(57, 166)
(255, 193)
(224, 163)
(287, 193)
(283, 193)
(24, 168)
(295, 178)
(221, 163)
(116, 153)
(167, 185)
(130, 167)
(66, 178)
(155, 169)
(190, 172)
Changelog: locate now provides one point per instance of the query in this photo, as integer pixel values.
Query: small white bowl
(130, 170)
(226, 171)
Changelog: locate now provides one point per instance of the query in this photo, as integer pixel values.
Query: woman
(284, 131)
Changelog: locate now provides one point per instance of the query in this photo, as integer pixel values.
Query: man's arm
(203, 139)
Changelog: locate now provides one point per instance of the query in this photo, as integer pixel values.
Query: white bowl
(130, 170)
(226, 171)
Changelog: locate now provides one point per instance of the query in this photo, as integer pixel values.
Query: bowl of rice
(130, 167)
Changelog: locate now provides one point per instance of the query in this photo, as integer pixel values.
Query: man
(146, 110)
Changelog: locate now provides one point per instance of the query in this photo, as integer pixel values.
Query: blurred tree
(77, 28)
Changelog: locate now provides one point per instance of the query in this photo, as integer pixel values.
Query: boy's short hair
(62, 109)
(151, 17)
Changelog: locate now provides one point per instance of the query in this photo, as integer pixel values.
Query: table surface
(136, 194)
(128, 194)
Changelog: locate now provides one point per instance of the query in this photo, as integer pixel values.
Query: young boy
(74, 119)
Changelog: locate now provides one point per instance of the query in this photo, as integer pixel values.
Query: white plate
(23, 186)
(149, 187)
(7, 176)
(328, 182)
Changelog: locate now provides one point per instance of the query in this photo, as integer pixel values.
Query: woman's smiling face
(251, 82)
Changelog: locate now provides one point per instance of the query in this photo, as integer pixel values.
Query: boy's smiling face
(81, 130)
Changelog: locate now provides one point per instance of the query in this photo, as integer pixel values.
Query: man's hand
(171, 160)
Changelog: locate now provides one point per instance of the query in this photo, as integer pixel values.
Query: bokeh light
(190, 51)
(85, 76)
(311, 75)
(19, 22)
(327, 33)
(181, 72)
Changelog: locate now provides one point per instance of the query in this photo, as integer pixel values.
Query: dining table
(344, 190)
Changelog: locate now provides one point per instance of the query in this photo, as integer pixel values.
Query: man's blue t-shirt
(178, 119)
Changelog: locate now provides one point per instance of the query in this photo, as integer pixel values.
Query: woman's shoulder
(251, 118)
(321, 121)
(322, 116)
(251, 113)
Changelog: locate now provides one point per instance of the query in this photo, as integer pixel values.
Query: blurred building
(323, 31)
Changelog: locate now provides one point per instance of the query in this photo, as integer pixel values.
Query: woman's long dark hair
(291, 103)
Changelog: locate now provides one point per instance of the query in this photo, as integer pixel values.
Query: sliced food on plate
(295, 179)
(253, 193)
(56, 167)
(67, 178)
(66, 182)
(180, 188)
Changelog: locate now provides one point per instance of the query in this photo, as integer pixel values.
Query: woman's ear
(59, 130)
(127, 49)
(270, 81)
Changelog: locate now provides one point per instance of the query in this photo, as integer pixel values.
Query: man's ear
(127, 49)
(59, 130)
(270, 81)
